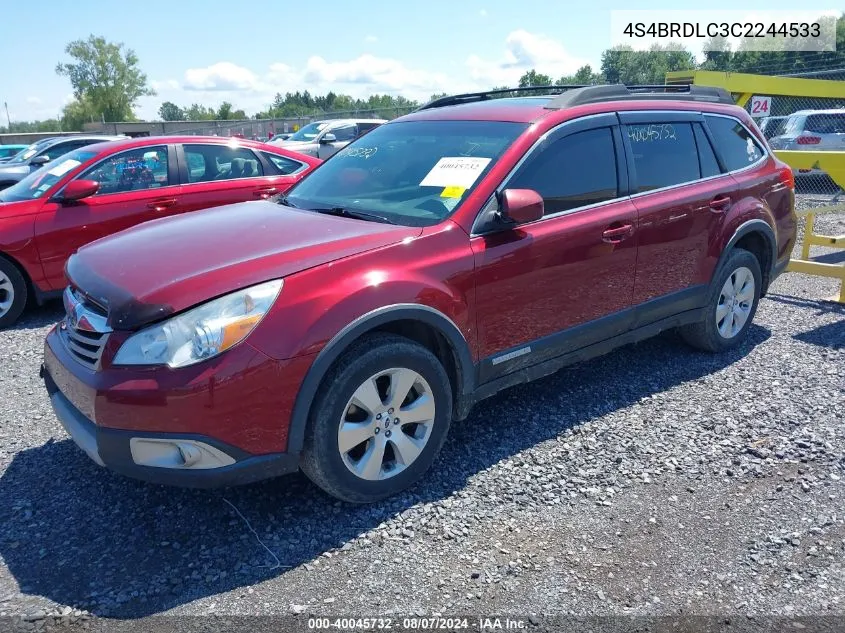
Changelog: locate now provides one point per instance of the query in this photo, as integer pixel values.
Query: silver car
(812, 131)
(326, 138)
(42, 152)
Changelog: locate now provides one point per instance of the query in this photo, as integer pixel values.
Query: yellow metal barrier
(811, 238)
(745, 84)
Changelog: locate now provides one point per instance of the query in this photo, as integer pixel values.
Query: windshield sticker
(653, 132)
(64, 167)
(455, 171)
(358, 152)
(452, 192)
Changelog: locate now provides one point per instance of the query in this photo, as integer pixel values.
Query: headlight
(202, 332)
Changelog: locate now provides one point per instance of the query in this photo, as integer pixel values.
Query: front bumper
(111, 448)
(220, 424)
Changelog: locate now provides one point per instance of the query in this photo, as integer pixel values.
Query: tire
(716, 333)
(13, 293)
(366, 374)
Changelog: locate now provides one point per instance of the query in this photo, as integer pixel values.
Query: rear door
(681, 196)
(218, 174)
(136, 186)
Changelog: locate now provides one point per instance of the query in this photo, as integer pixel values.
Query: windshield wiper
(283, 200)
(354, 213)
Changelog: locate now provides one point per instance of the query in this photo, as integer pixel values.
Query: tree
(106, 76)
(584, 76)
(77, 113)
(197, 112)
(169, 111)
(533, 78)
(622, 64)
(225, 111)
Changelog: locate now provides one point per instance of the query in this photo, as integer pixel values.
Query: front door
(135, 186)
(565, 281)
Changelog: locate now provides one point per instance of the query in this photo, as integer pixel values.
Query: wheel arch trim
(746, 228)
(357, 328)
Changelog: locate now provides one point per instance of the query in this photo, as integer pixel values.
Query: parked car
(7, 152)
(467, 247)
(280, 137)
(772, 126)
(325, 138)
(42, 152)
(107, 187)
(813, 131)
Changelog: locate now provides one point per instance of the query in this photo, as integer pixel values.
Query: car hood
(14, 168)
(162, 267)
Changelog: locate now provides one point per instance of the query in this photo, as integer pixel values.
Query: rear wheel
(13, 293)
(379, 420)
(731, 305)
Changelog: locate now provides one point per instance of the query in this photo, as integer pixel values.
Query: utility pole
(8, 118)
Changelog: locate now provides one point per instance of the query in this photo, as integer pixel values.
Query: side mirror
(521, 205)
(37, 161)
(328, 138)
(78, 189)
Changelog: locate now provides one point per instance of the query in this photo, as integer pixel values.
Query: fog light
(178, 454)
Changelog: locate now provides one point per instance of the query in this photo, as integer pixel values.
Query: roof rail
(620, 92)
(570, 96)
(471, 97)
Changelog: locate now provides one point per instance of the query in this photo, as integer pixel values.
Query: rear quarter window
(734, 143)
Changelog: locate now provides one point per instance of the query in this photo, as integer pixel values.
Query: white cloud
(523, 51)
(370, 39)
(368, 73)
(33, 101)
(220, 76)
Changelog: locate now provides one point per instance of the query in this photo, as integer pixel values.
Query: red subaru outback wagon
(472, 245)
(107, 187)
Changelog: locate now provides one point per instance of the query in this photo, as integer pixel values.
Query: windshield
(30, 151)
(414, 173)
(309, 132)
(41, 181)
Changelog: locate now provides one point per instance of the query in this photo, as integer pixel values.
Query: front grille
(86, 347)
(84, 330)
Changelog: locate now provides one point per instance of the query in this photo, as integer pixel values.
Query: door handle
(162, 204)
(720, 203)
(614, 234)
(265, 192)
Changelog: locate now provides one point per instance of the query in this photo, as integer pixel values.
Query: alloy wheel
(386, 424)
(7, 293)
(735, 302)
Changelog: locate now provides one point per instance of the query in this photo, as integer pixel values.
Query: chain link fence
(263, 129)
(805, 124)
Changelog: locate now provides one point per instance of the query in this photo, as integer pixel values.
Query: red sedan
(108, 187)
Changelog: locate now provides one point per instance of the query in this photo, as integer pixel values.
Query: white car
(326, 138)
(812, 131)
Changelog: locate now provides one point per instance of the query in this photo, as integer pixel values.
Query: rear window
(734, 143)
(826, 123)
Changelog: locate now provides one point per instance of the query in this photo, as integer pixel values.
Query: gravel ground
(653, 481)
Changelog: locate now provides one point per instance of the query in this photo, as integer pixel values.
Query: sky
(214, 51)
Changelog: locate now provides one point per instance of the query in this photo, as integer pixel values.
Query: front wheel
(731, 305)
(379, 420)
(13, 293)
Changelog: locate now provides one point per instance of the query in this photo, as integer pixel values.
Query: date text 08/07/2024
(432, 623)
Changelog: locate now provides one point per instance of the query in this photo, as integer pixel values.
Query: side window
(283, 164)
(345, 132)
(706, 156)
(664, 154)
(363, 128)
(60, 149)
(221, 162)
(134, 170)
(825, 124)
(574, 171)
(736, 145)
